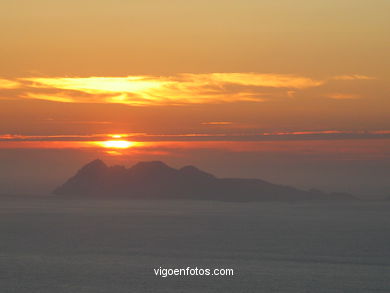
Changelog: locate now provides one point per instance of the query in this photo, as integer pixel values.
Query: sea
(51, 245)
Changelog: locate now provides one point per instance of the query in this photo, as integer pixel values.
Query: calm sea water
(73, 246)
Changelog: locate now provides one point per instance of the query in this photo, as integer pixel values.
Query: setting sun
(118, 144)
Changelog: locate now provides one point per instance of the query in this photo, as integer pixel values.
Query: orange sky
(256, 75)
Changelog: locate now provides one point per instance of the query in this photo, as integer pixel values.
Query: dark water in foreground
(76, 246)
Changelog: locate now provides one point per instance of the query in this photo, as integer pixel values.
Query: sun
(117, 144)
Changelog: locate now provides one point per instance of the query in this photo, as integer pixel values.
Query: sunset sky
(292, 91)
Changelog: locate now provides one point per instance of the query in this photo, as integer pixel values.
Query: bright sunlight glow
(117, 144)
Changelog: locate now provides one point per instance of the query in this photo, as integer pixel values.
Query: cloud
(255, 79)
(180, 89)
(9, 84)
(342, 96)
(146, 137)
(50, 97)
(353, 77)
(217, 123)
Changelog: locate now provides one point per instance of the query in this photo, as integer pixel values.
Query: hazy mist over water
(52, 245)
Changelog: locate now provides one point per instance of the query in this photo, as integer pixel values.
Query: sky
(291, 91)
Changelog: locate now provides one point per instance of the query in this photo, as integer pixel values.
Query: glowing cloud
(257, 80)
(180, 89)
(9, 84)
(217, 123)
(174, 90)
(138, 139)
(96, 85)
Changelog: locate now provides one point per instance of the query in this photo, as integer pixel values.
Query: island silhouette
(157, 180)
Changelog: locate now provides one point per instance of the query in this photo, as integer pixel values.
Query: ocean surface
(76, 246)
